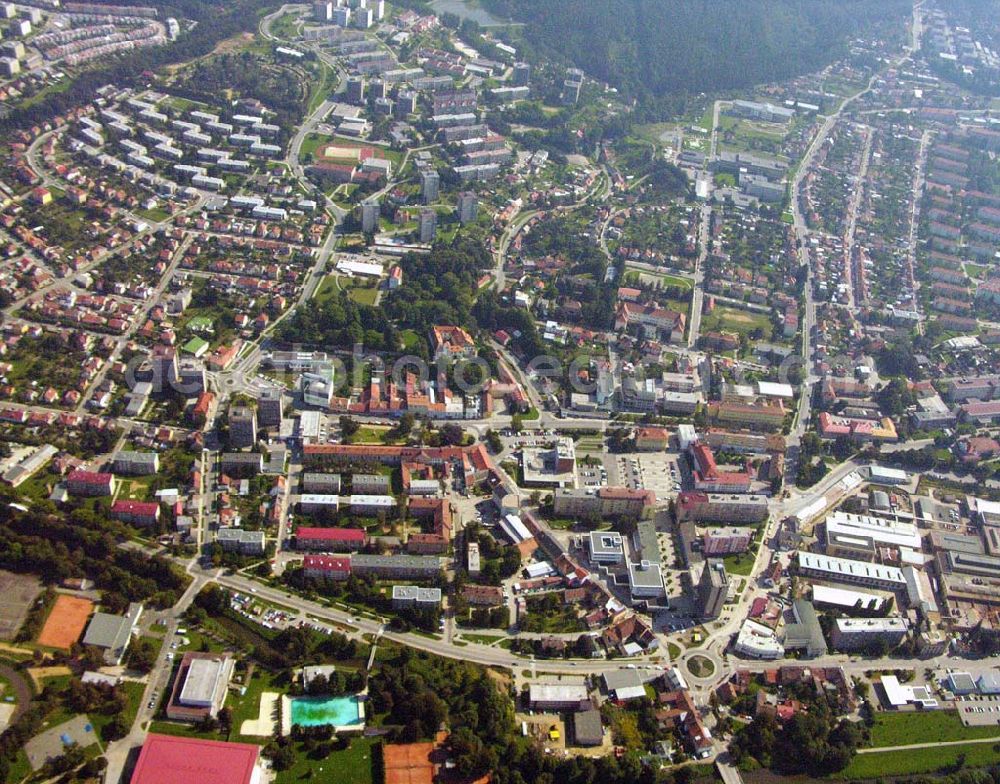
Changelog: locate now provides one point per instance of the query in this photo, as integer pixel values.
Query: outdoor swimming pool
(336, 711)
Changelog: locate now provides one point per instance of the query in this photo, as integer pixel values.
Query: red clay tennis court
(65, 623)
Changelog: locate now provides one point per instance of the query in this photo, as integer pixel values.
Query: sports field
(66, 622)
(17, 594)
(344, 153)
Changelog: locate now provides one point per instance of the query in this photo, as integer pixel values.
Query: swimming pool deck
(267, 716)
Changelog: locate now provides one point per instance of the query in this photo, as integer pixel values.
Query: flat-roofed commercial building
(855, 634)
(843, 570)
(370, 484)
(136, 463)
(713, 589)
(237, 540)
(845, 598)
(337, 540)
(805, 634)
(897, 695)
(397, 567)
(978, 565)
(166, 759)
(645, 580)
(887, 476)
(606, 547)
(604, 501)
(200, 686)
(558, 696)
(961, 543)
(645, 577)
(406, 596)
(112, 633)
(860, 536)
(322, 484)
(312, 503)
(703, 507)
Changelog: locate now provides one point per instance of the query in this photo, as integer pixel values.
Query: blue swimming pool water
(317, 711)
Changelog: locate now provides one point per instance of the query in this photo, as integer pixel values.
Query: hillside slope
(654, 47)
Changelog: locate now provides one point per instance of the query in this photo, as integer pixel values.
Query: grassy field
(910, 762)
(411, 339)
(373, 434)
(134, 693)
(323, 88)
(901, 729)
(311, 143)
(50, 89)
(741, 564)
(701, 666)
(633, 275)
(248, 706)
(157, 214)
(735, 320)
(483, 639)
(136, 488)
(284, 26)
(351, 765)
(363, 292)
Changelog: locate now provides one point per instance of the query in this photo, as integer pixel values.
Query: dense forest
(649, 47)
(86, 544)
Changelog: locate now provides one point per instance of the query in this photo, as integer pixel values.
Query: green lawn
(248, 705)
(411, 339)
(374, 434)
(364, 292)
(284, 26)
(137, 488)
(901, 729)
(910, 762)
(484, 639)
(352, 765)
(674, 651)
(157, 214)
(177, 729)
(323, 88)
(633, 275)
(735, 320)
(311, 143)
(133, 691)
(740, 564)
(20, 769)
(50, 89)
(363, 295)
(701, 666)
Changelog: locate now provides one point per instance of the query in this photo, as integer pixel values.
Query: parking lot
(979, 711)
(592, 476)
(658, 472)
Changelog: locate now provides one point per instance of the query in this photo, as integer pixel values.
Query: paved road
(118, 751)
(698, 293)
(21, 690)
(932, 745)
